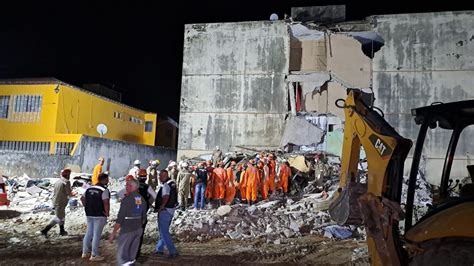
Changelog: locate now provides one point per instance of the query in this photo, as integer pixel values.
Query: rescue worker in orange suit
(229, 184)
(265, 179)
(272, 169)
(285, 173)
(97, 171)
(253, 179)
(220, 177)
(243, 183)
(210, 186)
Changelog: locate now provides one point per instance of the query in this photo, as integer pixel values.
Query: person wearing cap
(152, 174)
(97, 171)
(210, 184)
(183, 181)
(200, 187)
(272, 173)
(220, 176)
(134, 170)
(229, 184)
(173, 170)
(61, 194)
(96, 202)
(285, 173)
(252, 175)
(265, 174)
(130, 219)
(149, 195)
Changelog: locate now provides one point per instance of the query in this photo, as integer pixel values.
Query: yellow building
(50, 116)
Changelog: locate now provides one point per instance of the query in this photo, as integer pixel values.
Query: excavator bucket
(345, 208)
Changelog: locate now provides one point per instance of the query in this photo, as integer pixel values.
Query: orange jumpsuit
(210, 184)
(265, 182)
(253, 180)
(96, 173)
(243, 184)
(285, 173)
(220, 176)
(229, 186)
(271, 179)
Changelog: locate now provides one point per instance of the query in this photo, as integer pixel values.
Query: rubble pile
(272, 220)
(423, 196)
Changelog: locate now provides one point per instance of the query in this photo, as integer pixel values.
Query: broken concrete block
(277, 242)
(288, 233)
(33, 190)
(224, 210)
(294, 226)
(252, 209)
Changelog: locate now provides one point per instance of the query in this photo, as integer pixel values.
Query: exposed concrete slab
(233, 89)
(204, 131)
(426, 58)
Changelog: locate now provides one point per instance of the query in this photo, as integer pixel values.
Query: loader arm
(379, 206)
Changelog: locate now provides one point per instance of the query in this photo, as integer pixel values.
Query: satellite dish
(273, 17)
(102, 129)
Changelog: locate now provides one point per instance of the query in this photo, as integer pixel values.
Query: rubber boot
(62, 231)
(47, 228)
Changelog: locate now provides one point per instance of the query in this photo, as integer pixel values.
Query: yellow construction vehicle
(445, 235)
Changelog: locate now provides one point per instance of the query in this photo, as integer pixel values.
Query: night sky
(135, 47)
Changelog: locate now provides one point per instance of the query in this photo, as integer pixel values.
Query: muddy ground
(310, 250)
(23, 246)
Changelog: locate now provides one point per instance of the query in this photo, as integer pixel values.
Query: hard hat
(129, 177)
(157, 162)
(65, 172)
(172, 164)
(137, 162)
(142, 173)
(270, 156)
(185, 164)
(101, 158)
(220, 163)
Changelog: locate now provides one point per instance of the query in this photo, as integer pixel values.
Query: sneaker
(159, 253)
(85, 255)
(96, 258)
(63, 233)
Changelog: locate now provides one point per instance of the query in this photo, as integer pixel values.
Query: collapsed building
(273, 84)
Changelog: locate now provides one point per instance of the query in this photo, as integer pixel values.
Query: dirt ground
(309, 250)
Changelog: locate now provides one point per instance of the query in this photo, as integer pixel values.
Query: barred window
(4, 104)
(28, 103)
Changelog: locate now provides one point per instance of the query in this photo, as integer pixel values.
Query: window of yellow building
(4, 104)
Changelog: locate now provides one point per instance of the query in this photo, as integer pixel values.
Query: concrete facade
(119, 156)
(426, 58)
(233, 86)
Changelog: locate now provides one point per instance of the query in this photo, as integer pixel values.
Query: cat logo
(382, 148)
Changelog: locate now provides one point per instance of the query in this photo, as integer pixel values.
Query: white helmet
(172, 164)
(185, 165)
(137, 162)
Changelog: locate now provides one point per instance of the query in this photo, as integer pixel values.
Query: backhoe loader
(445, 235)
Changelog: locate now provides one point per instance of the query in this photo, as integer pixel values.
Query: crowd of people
(207, 184)
(212, 184)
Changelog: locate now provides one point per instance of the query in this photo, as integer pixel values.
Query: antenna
(101, 129)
